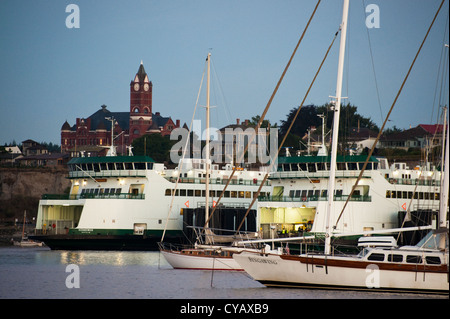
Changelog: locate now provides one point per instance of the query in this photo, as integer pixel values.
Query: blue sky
(50, 73)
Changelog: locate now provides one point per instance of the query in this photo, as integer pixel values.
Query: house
(421, 136)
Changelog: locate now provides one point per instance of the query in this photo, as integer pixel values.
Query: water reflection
(112, 258)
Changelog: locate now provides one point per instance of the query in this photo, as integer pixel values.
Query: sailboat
(211, 251)
(25, 242)
(381, 265)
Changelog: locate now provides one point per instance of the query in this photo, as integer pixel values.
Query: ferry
(127, 202)
(383, 196)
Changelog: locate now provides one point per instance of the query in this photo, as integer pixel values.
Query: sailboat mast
(207, 155)
(334, 144)
(443, 206)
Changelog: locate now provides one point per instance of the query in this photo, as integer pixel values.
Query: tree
(154, 145)
(265, 123)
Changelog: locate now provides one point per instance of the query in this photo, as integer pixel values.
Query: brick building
(93, 133)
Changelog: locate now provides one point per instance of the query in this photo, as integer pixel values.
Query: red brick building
(93, 134)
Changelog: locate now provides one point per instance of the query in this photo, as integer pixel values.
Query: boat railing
(90, 196)
(319, 174)
(415, 181)
(108, 173)
(337, 198)
(225, 205)
(217, 181)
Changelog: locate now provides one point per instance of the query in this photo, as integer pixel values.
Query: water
(30, 273)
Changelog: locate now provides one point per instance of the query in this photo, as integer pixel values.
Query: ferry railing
(90, 196)
(319, 174)
(217, 181)
(415, 181)
(108, 173)
(337, 198)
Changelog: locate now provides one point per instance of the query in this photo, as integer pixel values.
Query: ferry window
(139, 165)
(388, 194)
(395, 258)
(111, 166)
(410, 195)
(303, 193)
(312, 167)
(190, 192)
(103, 166)
(149, 165)
(248, 194)
(118, 190)
(286, 167)
(233, 194)
(198, 193)
(263, 194)
(254, 194)
(399, 194)
(280, 167)
(182, 192)
(83, 167)
(203, 193)
(352, 166)
(241, 194)
(368, 167)
(433, 260)
(119, 166)
(338, 192)
(405, 195)
(420, 195)
(168, 192)
(302, 167)
(96, 168)
(96, 191)
(437, 196)
(375, 165)
(297, 193)
(128, 165)
(291, 193)
(394, 194)
(310, 193)
(416, 195)
(427, 195)
(316, 193)
(376, 257)
(321, 166)
(212, 193)
(106, 191)
(294, 167)
(414, 259)
(325, 193)
(341, 166)
(226, 194)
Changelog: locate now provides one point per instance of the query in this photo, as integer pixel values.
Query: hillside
(21, 189)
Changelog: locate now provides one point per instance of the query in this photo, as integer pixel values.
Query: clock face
(136, 86)
(146, 87)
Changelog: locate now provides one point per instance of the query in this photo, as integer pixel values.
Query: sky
(50, 73)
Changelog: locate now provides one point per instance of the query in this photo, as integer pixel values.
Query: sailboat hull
(311, 271)
(180, 260)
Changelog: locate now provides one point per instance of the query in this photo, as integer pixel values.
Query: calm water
(41, 273)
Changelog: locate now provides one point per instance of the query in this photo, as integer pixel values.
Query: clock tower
(140, 104)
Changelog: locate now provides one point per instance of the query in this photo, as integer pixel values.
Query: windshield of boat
(434, 240)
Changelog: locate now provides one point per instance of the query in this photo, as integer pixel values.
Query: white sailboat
(25, 242)
(381, 265)
(206, 256)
